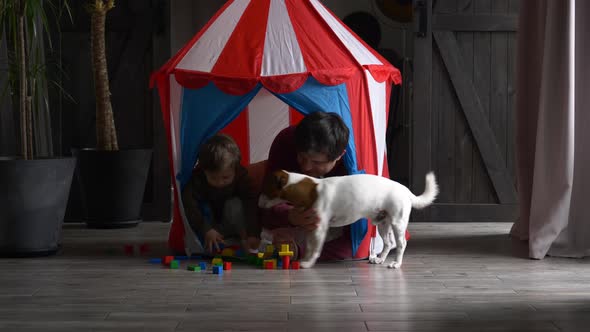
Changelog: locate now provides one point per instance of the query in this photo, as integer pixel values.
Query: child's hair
(219, 152)
(322, 132)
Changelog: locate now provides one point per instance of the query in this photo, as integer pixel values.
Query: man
(313, 147)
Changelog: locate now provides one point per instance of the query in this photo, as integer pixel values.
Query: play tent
(257, 67)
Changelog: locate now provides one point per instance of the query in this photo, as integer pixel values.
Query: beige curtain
(553, 127)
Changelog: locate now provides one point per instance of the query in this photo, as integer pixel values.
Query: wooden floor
(455, 277)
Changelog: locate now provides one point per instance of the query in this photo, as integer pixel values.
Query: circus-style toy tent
(255, 68)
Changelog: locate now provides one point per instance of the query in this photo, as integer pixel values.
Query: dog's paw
(305, 264)
(394, 265)
(376, 260)
(372, 259)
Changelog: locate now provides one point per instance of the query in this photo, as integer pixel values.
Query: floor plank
(459, 277)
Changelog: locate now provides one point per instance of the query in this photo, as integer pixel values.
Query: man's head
(320, 139)
(218, 158)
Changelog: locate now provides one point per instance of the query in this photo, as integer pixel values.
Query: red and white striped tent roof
(279, 45)
(276, 42)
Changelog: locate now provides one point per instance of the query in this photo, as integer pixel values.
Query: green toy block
(174, 264)
(194, 268)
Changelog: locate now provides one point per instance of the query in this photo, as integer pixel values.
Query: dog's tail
(428, 195)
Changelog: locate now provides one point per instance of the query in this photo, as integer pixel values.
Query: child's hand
(252, 242)
(212, 240)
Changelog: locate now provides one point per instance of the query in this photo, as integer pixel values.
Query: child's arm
(193, 212)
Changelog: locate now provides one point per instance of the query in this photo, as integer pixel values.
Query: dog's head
(281, 186)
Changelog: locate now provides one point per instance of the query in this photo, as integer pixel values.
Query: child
(219, 201)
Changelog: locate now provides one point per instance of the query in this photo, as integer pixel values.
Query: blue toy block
(181, 258)
(155, 260)
(218, 270)
(203, 266)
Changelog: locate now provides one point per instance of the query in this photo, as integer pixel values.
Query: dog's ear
(274, 183)
(280, 179)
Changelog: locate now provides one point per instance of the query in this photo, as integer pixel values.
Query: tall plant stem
(106, 135)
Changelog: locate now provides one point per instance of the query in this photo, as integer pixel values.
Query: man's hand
(212, 240)
(307, 219)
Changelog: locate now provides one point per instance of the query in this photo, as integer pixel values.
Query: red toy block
(167, 260)
(227, 265)
(269, 265)
(128, 249)
(286, 261)
(144, 248)
(295, 265)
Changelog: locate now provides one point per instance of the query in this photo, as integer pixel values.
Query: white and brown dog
(342, 200)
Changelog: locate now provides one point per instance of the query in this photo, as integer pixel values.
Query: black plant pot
(112, 184)
(33, 199)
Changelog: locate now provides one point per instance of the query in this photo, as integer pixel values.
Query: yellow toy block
(270, 248)
(217, 262)
(260, 255)
(285, 251)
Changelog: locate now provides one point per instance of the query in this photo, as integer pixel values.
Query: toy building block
(168, 260)
(217, 270)
(269, 249)
(268, 264)
(181, 258)
(227, 265)
(194, 268)
(203, 265)
(252, 259)
(295, 265)
(128, 249)
(239, 253)
(273, 261)
(174, 264)
(155, 260)
(144, 248)
(260, 259)
(285, 251)
(217, 261)
(286, 261)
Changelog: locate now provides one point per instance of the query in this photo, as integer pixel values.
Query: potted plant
(34, 185)
(112, 180)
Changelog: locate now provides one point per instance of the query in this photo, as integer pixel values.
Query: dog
(342, 200)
